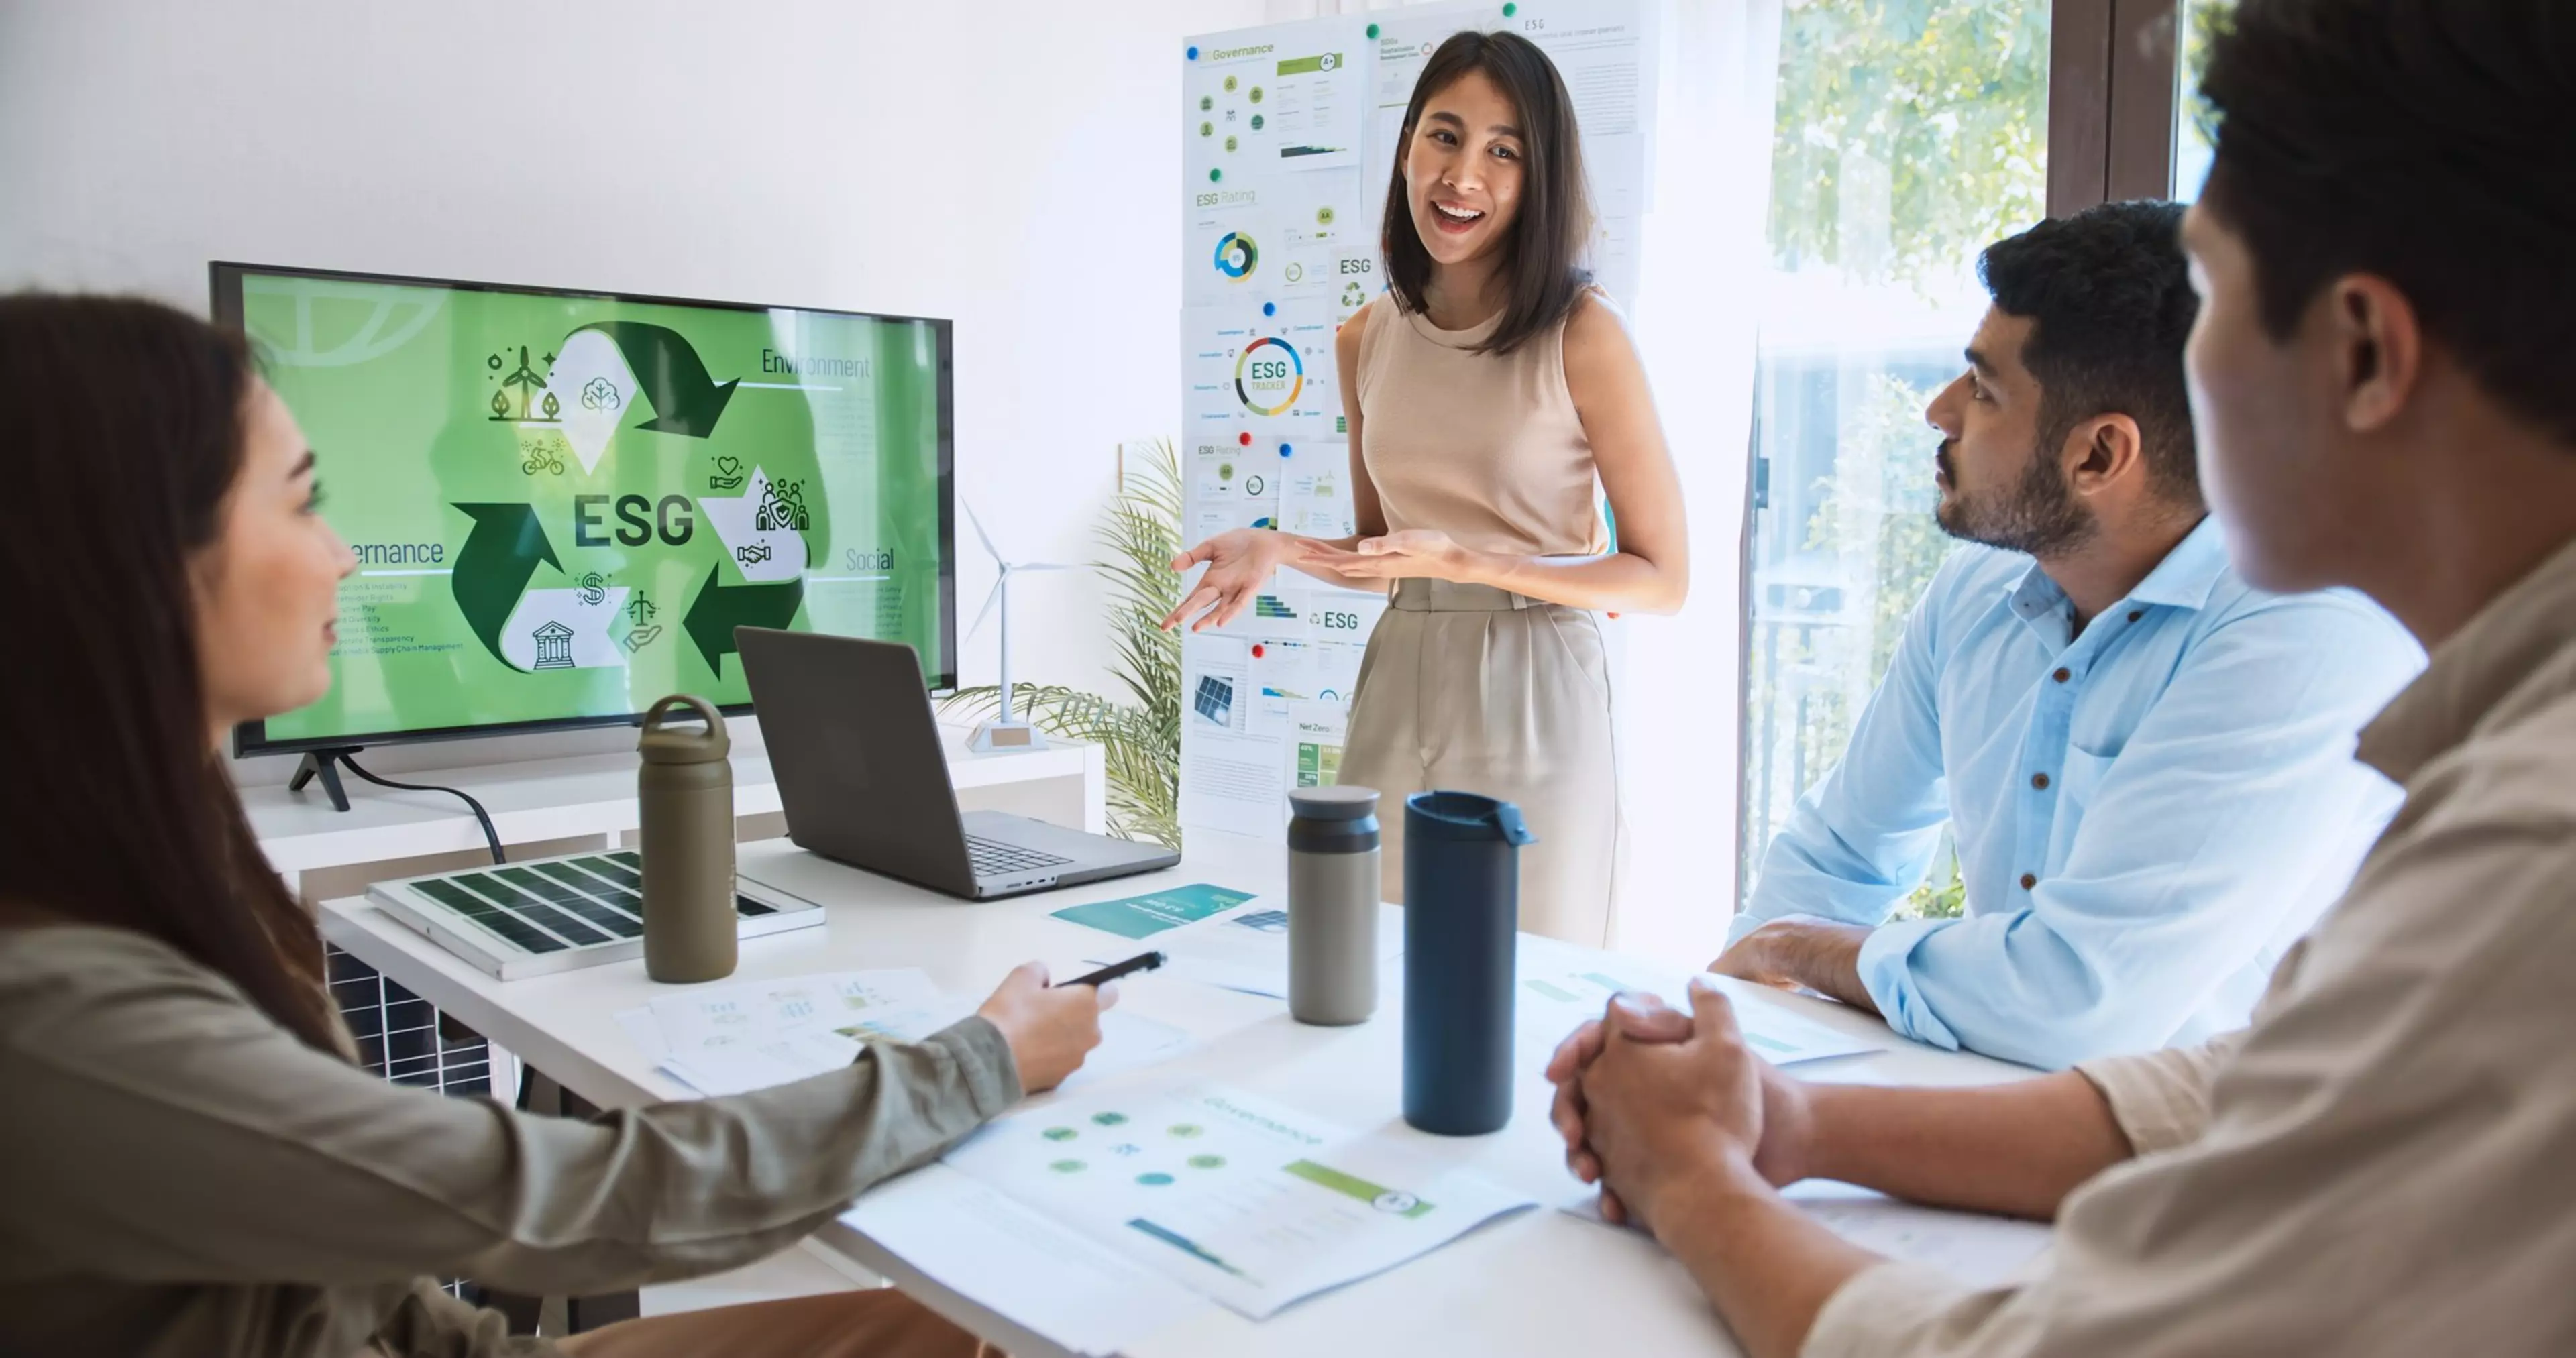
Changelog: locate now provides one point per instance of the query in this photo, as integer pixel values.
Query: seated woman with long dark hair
(190, 1164)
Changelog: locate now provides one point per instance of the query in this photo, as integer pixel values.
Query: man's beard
(2039, 515)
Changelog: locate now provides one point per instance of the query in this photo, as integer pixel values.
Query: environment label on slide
(1249, 1202)
(562, 506)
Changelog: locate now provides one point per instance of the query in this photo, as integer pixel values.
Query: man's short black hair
(2429, 142)
(2110, 300)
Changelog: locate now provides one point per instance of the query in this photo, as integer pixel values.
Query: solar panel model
(555, 914)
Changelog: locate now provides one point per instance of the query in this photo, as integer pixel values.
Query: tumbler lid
(1345, 802)
(1464, 816)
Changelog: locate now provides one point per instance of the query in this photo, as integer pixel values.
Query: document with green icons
(1244, 1200)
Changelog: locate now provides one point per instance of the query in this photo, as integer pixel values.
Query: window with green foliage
(2194, 119)
(1909, 134)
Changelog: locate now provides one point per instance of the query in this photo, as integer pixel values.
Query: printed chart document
(1016, 1262)
(1264, 370)
(1250, 1203)
(1233, 767)
(1561, 988)
(756, 1034)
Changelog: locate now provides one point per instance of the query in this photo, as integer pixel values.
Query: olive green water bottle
(685, 789)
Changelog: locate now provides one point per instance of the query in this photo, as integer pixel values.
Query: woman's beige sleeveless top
(1484, 447)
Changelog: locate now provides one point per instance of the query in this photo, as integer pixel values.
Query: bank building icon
(554, 646)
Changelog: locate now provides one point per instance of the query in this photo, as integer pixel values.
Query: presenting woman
(190, 1162)
(1488, 392)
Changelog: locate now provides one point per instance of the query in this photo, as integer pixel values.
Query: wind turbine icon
(1005, 733)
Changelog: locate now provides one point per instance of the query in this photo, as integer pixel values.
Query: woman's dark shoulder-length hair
(1542, 254)
(127, 432)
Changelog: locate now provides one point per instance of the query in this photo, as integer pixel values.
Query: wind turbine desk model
(1005, 733)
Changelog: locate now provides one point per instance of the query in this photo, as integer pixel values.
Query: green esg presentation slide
(562, 506)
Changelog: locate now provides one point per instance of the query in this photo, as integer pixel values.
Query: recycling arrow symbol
(719, 609)
(686, 401)
(493, 567)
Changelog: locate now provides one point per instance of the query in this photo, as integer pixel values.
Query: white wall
(1009, 164)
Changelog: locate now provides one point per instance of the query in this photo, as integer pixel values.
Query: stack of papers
(754, 1034)
(1245, 1201)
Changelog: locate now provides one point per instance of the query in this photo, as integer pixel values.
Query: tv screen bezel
(224, 278)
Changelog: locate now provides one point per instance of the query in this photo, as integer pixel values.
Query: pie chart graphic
(1269, 375)
(1236, 255)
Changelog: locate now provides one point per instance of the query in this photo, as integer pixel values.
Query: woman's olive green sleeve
(162, 1129)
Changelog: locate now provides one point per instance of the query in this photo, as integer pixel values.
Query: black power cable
(490, 836)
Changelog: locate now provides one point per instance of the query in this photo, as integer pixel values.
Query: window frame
(2113, 87)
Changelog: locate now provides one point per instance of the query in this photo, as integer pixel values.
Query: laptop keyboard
(995, 859)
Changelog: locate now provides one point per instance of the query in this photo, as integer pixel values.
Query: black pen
(1112, 972)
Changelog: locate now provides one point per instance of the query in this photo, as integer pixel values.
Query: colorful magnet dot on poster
(1194, 54)
(1285, 450)
(1258, 650)
(1247, 438)
(1372, 30)
(1270, 308)
(1215, 175)
(1510, 10)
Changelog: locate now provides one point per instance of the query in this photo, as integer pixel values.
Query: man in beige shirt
(2385, 1162)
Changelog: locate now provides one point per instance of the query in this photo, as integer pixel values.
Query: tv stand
(325, 764)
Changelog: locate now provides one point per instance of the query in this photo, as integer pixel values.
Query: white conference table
(1539, 1282)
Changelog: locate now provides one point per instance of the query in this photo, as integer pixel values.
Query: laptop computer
(863, 778)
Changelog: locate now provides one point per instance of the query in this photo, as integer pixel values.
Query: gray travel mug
(1332, 905)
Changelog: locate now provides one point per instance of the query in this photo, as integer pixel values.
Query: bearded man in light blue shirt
(2146, 763)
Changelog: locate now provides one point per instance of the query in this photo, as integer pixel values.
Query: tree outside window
(1909, 135)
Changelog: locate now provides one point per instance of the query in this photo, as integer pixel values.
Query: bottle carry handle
(715, 720)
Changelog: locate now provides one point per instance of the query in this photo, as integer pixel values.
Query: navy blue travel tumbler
(1462, 909)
